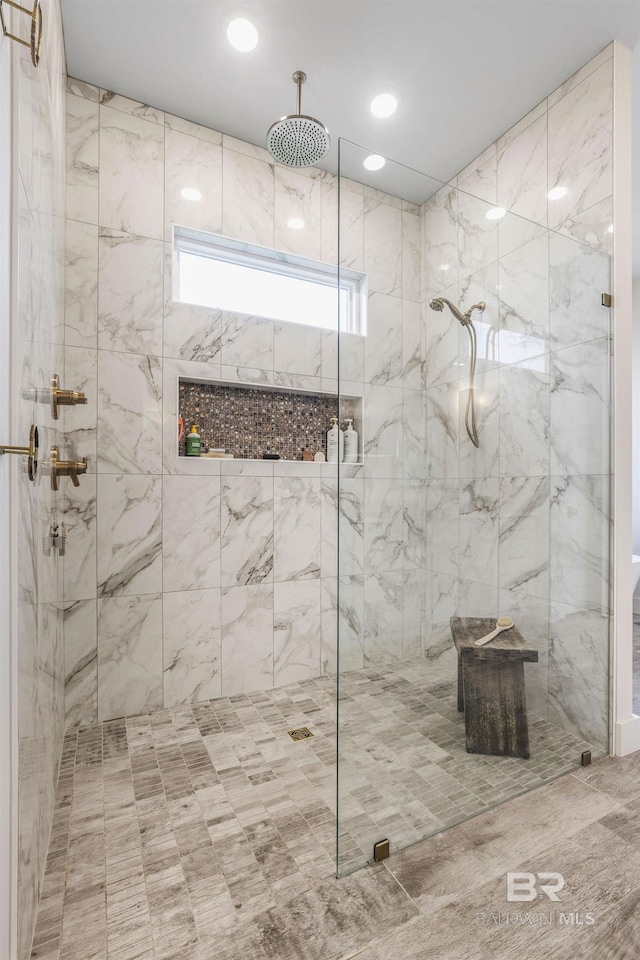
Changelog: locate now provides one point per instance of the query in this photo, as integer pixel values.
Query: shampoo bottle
(335, 442)
(350, 443)
(193, 442)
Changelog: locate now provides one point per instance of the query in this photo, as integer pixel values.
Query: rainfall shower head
(297, 140)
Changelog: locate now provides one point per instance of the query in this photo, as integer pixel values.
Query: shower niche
(248, 422)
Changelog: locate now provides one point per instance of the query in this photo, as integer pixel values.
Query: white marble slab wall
(191, 579)
(38, 188)
(520, 526)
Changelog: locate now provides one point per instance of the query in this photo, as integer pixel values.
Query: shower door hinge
(380, 850)
(607, 300)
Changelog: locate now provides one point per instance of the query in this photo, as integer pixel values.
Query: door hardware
(31, 452)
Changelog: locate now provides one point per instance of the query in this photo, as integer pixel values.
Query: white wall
(636, 416)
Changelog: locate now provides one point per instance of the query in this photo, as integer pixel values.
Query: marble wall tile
(192, 129)
(190, 533)
(296, 631)
(383, 431)
(191, 332)
(348, 497)
(411, 255)
(298, 197)
(83, 127)
(129, 656)
(524, 421)
(414, 524)
(442, 455)
(80, 517)
(522, 173)
(246, 526)
(524, 535)
(383, 617)
(477, 599)
(349, 357)
(413, 434)
(580, 408)
(129, 535)
(413, 613)
(246, 341)
(247, 198)
(481, 286)
(517, 128)
(479, 524)
(383, 247)
(442, 342)
(578, 276)
(531, 617)
(82, 89)
(351, 216)
(441, 605)
(479, 177)
(80, 434)
(593, 226)
(383, 525)
(342, 603)
(523, 278)
(482, 461)
(247, 638)
(133, 107)
(477, 235)
(80, 662)
(576, 78)
(297, 349)
(81, 284)
(412, 345)
(383, 356)
(191, 646)
(441, 239)
(581, 145)
(579, 538)
(129, 413)
(514, 231)
(296, 528)
(131, 174)
(193, 163)
(442, 518)
(130, 312)
(578, 672)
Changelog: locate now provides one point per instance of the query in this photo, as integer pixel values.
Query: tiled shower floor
(172, 830)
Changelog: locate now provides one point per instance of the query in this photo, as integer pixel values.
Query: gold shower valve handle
(65, 468)
(63, 398)
(30, 452)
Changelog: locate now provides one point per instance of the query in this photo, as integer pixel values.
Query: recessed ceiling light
(295, 223)
(383, 105)
(557, 193)
(190, 193)
(495, 213)
(610, 228)
(242, 35)
(374, 162)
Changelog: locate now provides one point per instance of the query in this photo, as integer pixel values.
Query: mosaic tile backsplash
(250, 423)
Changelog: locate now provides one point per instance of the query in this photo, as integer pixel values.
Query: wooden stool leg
(495, 708)
(460, 686)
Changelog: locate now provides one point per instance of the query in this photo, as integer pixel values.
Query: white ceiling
(463, 70)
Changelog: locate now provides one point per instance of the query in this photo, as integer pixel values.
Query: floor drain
(300, 733)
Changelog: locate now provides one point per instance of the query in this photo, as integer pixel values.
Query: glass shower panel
(434, 525)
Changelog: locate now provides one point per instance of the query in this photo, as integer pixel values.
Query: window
(230, 275)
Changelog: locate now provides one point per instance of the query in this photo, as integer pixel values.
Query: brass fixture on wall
(31, 452)
(35, 42)
(65, 468)
(63, 398)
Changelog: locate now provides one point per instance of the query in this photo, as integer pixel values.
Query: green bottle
(193, 442)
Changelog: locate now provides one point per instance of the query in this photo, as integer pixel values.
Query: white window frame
(237, 252)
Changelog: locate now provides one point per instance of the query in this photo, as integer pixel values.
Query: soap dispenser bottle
(335, 442)
(193, 442)
(350, 443)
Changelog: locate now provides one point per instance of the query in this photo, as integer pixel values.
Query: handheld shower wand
(465, 319)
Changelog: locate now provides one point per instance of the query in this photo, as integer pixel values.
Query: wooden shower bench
(491, 687)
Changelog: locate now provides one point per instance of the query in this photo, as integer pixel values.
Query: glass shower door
(432, 526)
